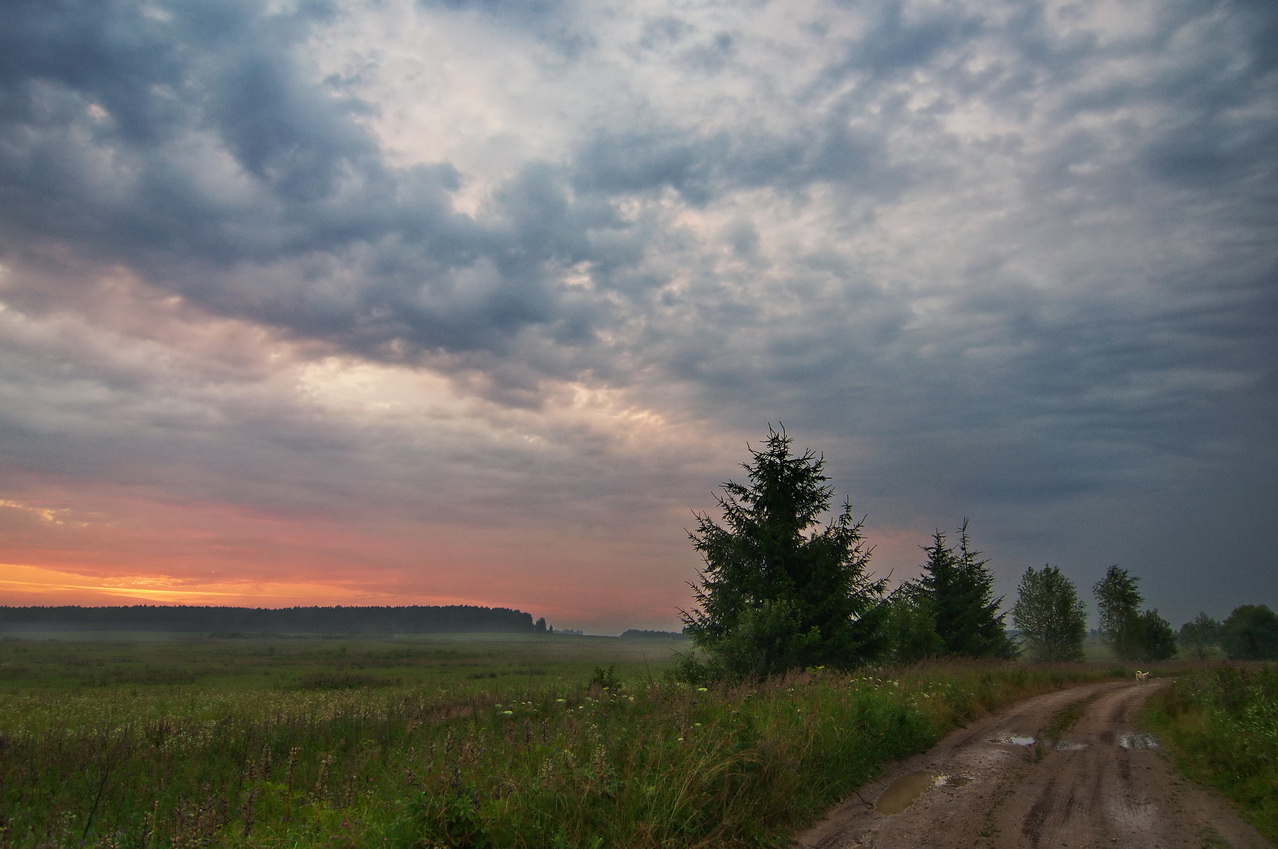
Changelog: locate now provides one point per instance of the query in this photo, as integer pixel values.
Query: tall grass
(363, 761)
(1223, 726)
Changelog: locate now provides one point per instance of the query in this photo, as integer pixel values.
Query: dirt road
(996, 784)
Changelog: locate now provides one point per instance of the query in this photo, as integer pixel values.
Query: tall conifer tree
(776, 593)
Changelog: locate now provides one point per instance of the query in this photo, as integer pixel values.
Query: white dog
(1141, 676)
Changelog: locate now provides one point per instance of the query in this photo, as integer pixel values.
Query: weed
(1066, 718)
(605, 679)
(1222, 724)
(409, 751)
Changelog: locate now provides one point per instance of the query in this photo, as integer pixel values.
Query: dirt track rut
(1104, 784)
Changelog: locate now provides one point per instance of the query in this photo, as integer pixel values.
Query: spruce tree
(776, 593)
(960, 589)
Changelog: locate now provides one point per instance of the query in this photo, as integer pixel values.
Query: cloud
(557, 263)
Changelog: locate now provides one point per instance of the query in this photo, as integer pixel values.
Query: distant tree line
(779, 592)
(1250, 632)
(1051, 622)
(653, 635)
(367, 621)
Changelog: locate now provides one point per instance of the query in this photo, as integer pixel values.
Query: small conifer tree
(960, 589)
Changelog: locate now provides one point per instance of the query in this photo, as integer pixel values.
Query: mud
(998, 784)
(1015, 740)
(902, 792)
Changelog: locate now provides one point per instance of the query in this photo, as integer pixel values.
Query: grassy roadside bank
(1222, 726)
(357, 758)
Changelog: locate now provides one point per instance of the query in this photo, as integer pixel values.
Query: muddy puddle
(1137, 741)
(905, 790)
(1014, 740)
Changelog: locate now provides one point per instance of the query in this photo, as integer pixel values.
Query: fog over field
(476, 301)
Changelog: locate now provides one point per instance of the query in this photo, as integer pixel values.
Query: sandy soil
(1104, 784)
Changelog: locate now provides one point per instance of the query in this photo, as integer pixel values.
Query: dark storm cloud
(1000, 259)
(897, 38)
(518, 12)
(551, 21)
(300, 221)
(704, 169)
(198, 148)
(209, 81)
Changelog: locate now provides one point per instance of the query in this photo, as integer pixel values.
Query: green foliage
(1118, 604)
(1157, 640)
(960, 592)
(1223, 727)
(1200, 635)
(1050, 616)
(1250, 633)
(605, 679)
(775, 594)
(651, 635)
(541, 764)
(236, 622)
(766, 640)
(911, 626)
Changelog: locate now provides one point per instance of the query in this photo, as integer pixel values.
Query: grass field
(1222, 723)
(446, 663)
(460, 741)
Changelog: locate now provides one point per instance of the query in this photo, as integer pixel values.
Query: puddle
(905, 790)
(1069, 746)
(1014, 740)
(1137, 741)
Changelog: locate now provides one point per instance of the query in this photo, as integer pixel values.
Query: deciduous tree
(1050, 616)
(1250, 633)
(911, 625)
(1118, 604)
(1200, 635)
(1158, 641)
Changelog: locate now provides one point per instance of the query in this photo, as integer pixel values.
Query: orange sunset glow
(481, 303)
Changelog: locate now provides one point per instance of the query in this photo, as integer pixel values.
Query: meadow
(1222, 724)
(448, 741)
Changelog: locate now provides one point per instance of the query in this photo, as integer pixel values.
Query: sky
(481, 301)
